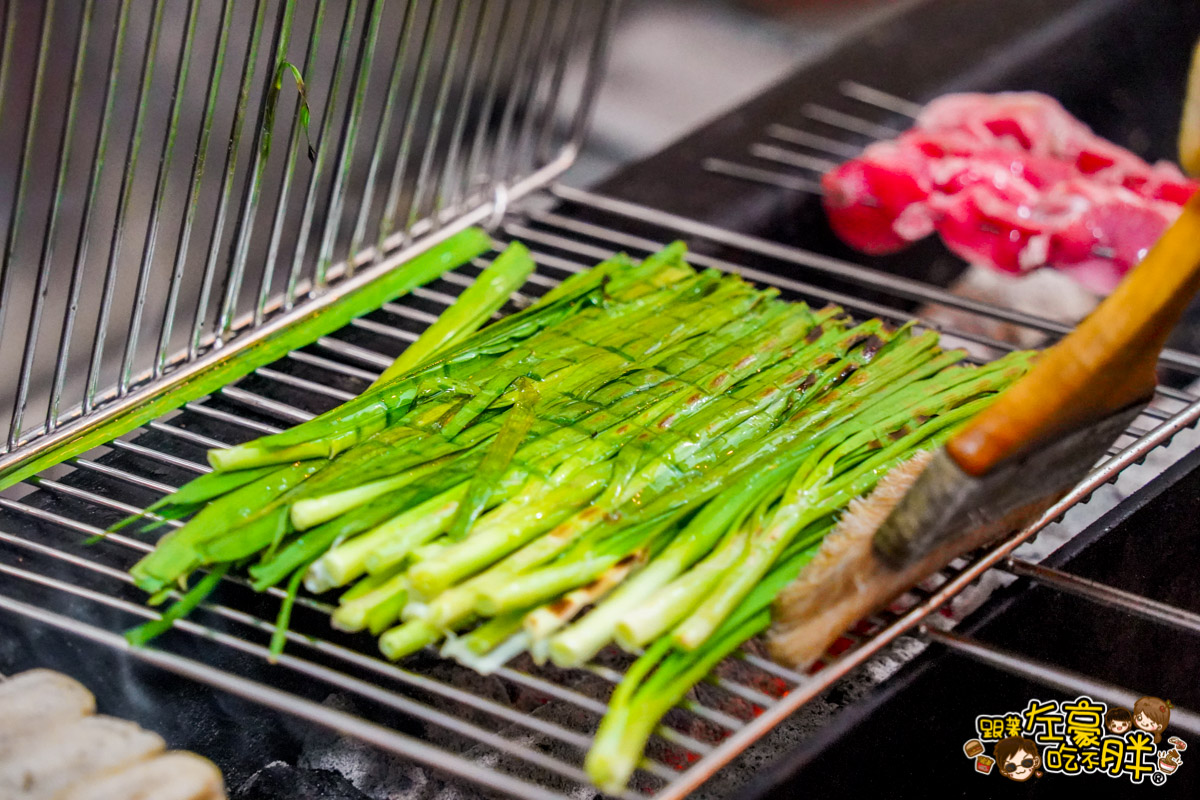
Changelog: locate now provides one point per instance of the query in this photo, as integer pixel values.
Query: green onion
(473, 307)
(142, 634)
(454, 251)
(645, 456)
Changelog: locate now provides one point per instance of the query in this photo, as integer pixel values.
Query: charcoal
(280, 781)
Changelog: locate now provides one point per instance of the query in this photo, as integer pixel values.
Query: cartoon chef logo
(1078, 737)
(1118, 720)
(1152, 715)
(1018, 758)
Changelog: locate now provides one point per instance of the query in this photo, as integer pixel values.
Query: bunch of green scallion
(645, 456)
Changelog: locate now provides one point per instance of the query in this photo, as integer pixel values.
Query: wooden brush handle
(1189, 127)
(1107, 363)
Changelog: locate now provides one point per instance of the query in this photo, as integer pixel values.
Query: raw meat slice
(865, 196)
(1011, 181)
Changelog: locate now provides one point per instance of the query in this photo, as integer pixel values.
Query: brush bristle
(844, 582)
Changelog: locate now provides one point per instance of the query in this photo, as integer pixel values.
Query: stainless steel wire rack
(524, 730)
(167, 200)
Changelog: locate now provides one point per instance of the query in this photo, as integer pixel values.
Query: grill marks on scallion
(646, 455)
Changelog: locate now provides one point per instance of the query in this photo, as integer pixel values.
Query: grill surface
(524, 730)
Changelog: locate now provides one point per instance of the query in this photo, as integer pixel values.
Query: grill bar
(349, 135)
(770, 177)
(215, 72)
(1106, 595)
(43, 277)
(426, 179)
(155, 455)
(791, 158)
(847, 122)
(239, 251)
(322, 144)
(1050, 675)
(104, 469)
(211, 265)
(522, 66)
(18, 205)
(125, 196)
(332, 366)
(160, 186)
(456, 174)
(387, 224)
(880, 99)
(786, 133)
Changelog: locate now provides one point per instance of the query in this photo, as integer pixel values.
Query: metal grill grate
(795, 158)
(160, 201)
(524, 730)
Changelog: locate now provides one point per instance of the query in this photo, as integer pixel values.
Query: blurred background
(675, 64)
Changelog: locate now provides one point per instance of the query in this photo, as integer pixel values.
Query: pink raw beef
(864, 197)
(1100, 231)
(1011, 181)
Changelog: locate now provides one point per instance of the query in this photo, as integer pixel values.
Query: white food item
(39, 699)
(171, 776)
(53, 758)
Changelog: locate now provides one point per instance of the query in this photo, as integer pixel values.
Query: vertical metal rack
(165, 204)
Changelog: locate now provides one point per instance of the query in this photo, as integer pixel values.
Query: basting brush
(1007, 466)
